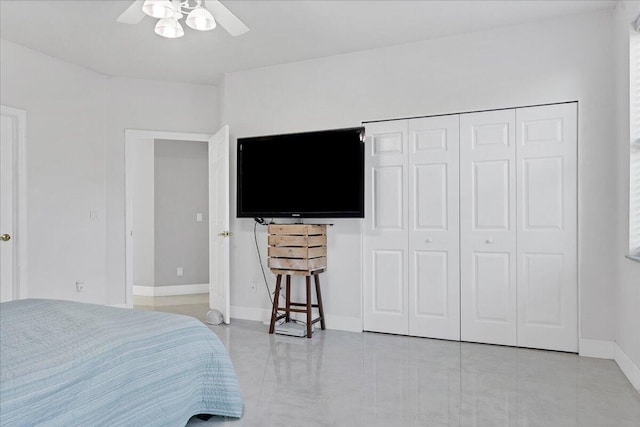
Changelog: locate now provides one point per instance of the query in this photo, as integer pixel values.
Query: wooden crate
(300, 248)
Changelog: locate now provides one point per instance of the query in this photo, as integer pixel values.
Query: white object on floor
(214, 317)
(293, 329)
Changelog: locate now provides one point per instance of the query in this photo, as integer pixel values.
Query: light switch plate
(199, 217)
(179, 271)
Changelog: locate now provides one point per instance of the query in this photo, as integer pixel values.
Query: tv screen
(306, 175)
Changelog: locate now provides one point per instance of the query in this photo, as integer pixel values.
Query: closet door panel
(431, 274)
(491, 195)
(431, 207)
(488, 227)
(541, 192)
(385, 249)
(547, 227)
(387, 279)
(433, 238)
(491, 276)
(387, 209)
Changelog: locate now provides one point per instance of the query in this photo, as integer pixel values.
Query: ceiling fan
(200, 15)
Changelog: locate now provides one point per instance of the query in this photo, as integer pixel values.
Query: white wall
(75, 156)
(65, 170)
(144, 213)
(146, 105)
(627, 335)
(560, 60)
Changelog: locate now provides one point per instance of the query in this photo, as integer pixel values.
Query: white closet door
(434, 270)
(488, 227)
(547, 227)
(385, 260)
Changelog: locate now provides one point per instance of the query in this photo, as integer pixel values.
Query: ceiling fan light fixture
(201, 19)
(169, 28)
(159, 9)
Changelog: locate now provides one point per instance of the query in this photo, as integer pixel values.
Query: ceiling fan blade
(133, 14)
(226, 18)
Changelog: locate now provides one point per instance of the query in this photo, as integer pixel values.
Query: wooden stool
(288, 304)
(298, 250)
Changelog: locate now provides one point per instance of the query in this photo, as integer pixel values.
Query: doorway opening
(176, 219)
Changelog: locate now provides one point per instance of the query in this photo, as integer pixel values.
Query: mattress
(71, 364)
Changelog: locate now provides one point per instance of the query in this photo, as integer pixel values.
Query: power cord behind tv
(261, 221)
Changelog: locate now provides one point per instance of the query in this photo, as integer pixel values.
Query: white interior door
(7, 143)
(219, 294)
(434, 270)
(488, 227)
(385, 259)
(547, 227)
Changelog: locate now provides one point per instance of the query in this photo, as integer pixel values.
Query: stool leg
(274, 310)
(319, 297)
(288, 316)
(308, 280)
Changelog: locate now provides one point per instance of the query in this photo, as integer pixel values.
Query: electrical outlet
(253, 287)
(179, 271)
(79, 286)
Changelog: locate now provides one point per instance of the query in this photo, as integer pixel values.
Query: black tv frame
(359, 214)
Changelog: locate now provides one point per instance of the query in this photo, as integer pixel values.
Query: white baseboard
(610, 350)
(340, 323)
(599, 349)
(343, 323)
(630, 369)
(164, 291)
(250, 313)
(119, 305)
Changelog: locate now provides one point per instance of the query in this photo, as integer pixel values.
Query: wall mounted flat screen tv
(306, 175)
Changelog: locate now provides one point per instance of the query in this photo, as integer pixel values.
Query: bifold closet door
(385, 260)
(495, 262)
(434, 270)
(547, 227)
(488, 227)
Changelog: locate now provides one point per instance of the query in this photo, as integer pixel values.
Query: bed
(71, 364)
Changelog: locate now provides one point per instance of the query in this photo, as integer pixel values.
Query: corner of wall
(630, 369)
(598, 349)
(222, 101)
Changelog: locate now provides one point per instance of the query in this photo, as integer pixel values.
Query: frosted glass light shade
(169, 28)
(159, 9)
(201, 19)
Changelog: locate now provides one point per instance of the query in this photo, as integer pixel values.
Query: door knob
(429, 240)
(5, 237)
(488, 241)
(225, 234)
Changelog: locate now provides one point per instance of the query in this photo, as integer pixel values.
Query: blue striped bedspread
(65, 363)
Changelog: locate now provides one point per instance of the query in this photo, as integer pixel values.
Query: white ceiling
(86, 32)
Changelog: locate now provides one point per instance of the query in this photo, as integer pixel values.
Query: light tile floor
(365, 379)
